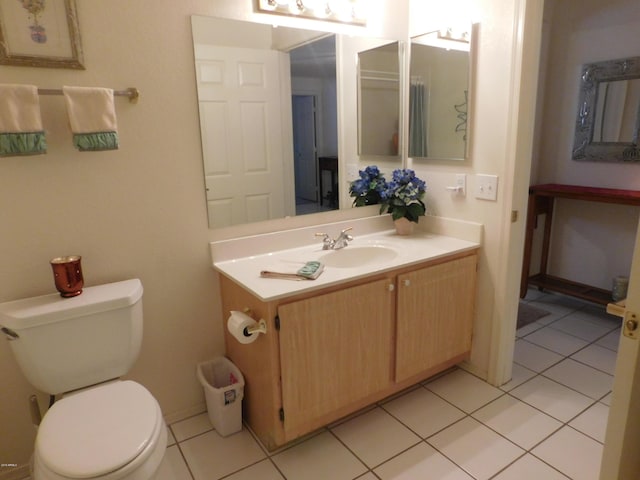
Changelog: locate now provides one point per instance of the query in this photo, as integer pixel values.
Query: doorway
(314, 115)
(304, 149)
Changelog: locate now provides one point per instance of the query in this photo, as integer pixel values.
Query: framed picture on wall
(40, 33)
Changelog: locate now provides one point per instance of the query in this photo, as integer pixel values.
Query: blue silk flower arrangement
(401, 197)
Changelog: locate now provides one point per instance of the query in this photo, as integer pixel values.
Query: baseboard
(182, 414)
(14, 473)
(471, 368)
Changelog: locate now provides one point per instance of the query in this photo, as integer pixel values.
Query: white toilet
(102, 427)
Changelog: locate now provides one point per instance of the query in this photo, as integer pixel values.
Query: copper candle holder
(67, 274)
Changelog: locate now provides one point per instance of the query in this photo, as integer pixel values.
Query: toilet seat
(105, 431)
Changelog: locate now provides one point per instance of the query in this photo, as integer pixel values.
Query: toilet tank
(62, 344)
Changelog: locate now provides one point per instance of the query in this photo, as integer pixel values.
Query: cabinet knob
(407, 283)
(391, 287)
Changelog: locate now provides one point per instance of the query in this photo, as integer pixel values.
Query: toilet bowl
(111, 431)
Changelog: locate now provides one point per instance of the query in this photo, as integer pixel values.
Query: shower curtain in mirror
(417, 118)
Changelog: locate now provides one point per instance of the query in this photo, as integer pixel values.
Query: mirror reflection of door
(304, 148)
(241, 126)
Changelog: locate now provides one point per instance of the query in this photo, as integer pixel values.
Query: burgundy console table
(541, 200)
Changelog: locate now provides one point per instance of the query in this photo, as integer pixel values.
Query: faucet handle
(327, 242)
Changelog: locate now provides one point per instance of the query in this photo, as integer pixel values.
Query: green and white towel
(21, 131)
(92, 116)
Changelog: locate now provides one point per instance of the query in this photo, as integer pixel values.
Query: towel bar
(131, 92)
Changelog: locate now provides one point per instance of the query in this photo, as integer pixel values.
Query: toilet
(102, 427)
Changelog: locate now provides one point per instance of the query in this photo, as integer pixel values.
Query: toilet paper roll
(236, 325)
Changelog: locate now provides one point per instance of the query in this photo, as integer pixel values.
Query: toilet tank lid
(31, 312)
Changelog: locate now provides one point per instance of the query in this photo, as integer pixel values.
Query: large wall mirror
(608, 119)
(439, 95)
(268, 116)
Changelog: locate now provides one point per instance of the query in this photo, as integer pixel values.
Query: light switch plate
(461, 183)
(486, 187)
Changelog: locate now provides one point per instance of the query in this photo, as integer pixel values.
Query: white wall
(580, 32)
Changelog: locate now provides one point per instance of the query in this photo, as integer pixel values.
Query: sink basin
(353, 256)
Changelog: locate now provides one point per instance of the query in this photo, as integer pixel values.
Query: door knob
(630, 325)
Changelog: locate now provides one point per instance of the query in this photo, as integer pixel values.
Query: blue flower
(368, 189)
(403, 195)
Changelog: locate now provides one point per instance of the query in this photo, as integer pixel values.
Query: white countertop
(375, 253)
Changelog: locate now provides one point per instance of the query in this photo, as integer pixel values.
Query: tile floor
(547, 423)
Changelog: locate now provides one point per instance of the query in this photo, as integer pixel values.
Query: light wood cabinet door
(435, 315)
(335, 351)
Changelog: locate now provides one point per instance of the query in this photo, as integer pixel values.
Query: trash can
(223, 387)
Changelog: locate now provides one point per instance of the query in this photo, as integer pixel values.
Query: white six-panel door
(239, 96)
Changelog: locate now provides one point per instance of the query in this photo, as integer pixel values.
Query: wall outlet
(487, 187)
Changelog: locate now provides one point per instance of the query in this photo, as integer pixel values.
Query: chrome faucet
(330, 244)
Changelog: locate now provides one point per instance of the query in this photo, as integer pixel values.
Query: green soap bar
(311, 269)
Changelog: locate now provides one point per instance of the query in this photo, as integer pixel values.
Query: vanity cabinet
(331, 352)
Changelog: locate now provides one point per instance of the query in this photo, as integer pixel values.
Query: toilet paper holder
(260, 327)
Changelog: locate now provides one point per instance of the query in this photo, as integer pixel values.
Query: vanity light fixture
(457, 35)
(448, 38)
(344, 11)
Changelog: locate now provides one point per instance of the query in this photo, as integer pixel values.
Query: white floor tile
(191, 427)
(375, 436)
(211, 456)
(519, 375)
(529, 328)
(522, 424)
(534, 357)
(530, 468)
(583, 326)
(478, 450)
(319, 458)
(173, 466)
(423, 412)
(171, 440)
(554, 305)
(593, 422)
(586, 380)
(456, 386)
(558, 302)
(611, 340)
(533, 294)
(552, 398)
(421, 461)
(598, 357)
(607, 399)
(556, 341)
(600, 312)
(573, 453)
(263, 470)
